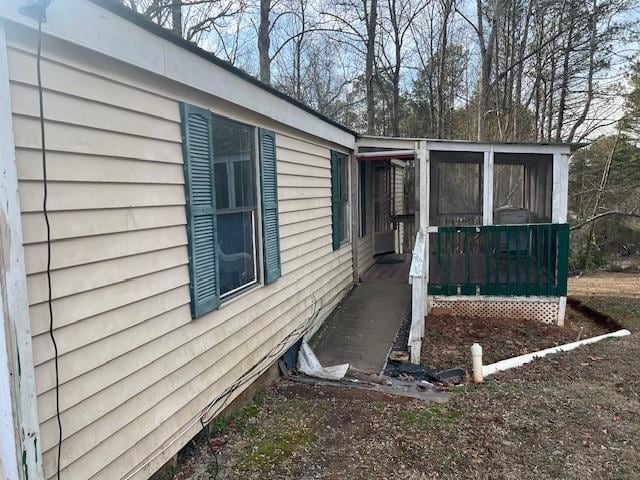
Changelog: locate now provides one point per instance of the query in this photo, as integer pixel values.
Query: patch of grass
(239, 417)
(625, 310)
(434, 415)
(168, 472)
(271, 447)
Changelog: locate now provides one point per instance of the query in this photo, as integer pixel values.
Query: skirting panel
(544, 309)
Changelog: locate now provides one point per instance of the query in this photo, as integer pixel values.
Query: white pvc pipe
(522, 359)
(476, 357)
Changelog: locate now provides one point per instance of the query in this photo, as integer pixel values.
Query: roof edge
(143, 22)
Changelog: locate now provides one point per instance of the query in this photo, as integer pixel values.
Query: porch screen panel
(456, 188)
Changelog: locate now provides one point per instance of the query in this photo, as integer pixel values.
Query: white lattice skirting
(544, 309)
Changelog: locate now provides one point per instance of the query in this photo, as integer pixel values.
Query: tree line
(540, 70)
(505, 70)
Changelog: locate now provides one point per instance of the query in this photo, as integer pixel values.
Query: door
(383, 193)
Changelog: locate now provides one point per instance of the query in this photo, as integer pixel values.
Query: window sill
(231, 299)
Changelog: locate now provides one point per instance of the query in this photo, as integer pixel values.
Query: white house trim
(560, 187)
(20, 456)
(99, 30)
(487, 192)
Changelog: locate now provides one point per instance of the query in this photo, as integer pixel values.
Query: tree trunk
(442, 65)
(564, 86)
(519, 73)
(176, 18)
(592, 51)
(603, 185)
(486, 61)
(371, 50)
(264, 41)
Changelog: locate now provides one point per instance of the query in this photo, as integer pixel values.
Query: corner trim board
(20, 455)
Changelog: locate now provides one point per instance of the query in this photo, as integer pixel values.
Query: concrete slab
(362, 328)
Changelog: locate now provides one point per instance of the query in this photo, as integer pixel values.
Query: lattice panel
(546, 311)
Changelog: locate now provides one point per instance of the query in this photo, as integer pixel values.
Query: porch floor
(362, 328)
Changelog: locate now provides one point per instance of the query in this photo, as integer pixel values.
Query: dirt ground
(448, 339)
(569, 416)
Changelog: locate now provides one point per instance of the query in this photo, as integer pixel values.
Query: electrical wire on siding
(39, 10)
(217, 405)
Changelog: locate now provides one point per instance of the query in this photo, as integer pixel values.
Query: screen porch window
(235, 188)
(456, 188)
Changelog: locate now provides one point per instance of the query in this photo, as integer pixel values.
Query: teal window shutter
(197, 148)
(335, 199)
(269, 182)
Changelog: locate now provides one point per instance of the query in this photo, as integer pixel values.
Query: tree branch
(601, 215)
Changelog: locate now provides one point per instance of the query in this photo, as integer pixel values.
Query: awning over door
(386, 155)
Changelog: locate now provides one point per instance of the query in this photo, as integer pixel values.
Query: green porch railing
(499, 260)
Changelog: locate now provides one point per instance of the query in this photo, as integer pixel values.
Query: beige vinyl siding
(365, 243)
(135, 370)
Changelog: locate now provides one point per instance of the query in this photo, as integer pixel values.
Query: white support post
(559, 207)
(20, 456)
(487, 188)
(560, 192)
(417, 318)
(418, 281)
(562, 310)
(423, 183)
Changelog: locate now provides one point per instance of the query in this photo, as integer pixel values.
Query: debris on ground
(413, 372)
(309, 364)
(569, 416)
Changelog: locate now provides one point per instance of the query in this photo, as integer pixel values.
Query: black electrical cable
(205, 431)
(46, 219)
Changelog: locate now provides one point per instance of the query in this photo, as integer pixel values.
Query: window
(363, 198)
(339, 198)
(235, 186)
(344, 199)
(222, 206)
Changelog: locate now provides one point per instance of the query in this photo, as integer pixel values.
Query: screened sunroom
(491, 237)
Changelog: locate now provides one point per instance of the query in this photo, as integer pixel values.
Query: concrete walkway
(362, 328)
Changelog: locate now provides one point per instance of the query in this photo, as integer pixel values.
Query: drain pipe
(529, 357)
(476, 356)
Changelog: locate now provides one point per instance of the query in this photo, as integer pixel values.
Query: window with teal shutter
(339, 198)
(335, 200)
(270, 230)
(220, 184)
(197, 145)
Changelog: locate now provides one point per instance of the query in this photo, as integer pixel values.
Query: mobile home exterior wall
(135, 369)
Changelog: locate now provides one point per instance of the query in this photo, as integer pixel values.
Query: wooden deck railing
(502, 260)
(418, 279)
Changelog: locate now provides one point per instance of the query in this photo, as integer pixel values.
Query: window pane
(363, 199)
(508, 186)
(222, 185)
(459, 188)
(344, 225)
(344, 197)
(233, 154)
(236, 254)
(344, 178)
(244, 183)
